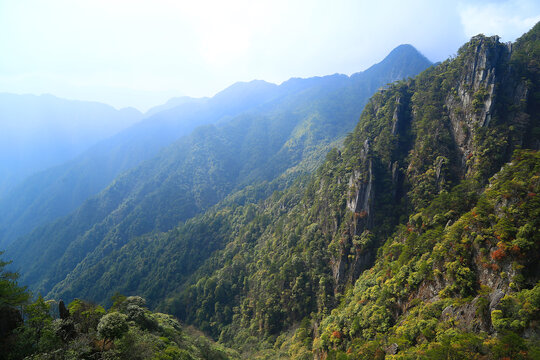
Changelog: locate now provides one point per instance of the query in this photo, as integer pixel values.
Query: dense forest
(268, 145)
(415, 236)
(400, 241)
(46, 329)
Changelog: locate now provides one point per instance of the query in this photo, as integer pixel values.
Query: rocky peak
(483, 57)
(471, 102)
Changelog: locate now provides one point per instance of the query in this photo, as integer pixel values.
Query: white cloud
(508, 19)
(199, 47)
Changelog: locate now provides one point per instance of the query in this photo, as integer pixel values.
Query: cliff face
(459, 120)
(465, 252)
(397, 238)
(400, 240)
(486, 89)
(470, 280)
(471, 104)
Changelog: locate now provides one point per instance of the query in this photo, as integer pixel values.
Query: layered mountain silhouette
(280, 132)
(391, 213)
(57, 191)
(38, 132)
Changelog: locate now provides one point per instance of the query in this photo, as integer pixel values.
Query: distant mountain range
(57, 191)
(262, 133)
(394, 213)
(37, 132)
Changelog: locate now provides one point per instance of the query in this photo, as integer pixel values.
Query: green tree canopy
(113, 326)
(11, 294)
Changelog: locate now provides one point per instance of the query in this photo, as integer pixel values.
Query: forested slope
(418, 238)
(55, 192)
(279, 139)
(401, 230)
(39, 329)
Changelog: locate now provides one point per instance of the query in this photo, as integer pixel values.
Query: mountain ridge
(383, 229)
(218, 149)
(296, 230)
(57, 191)
(39, 131)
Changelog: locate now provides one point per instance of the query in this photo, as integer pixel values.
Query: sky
(141, 53)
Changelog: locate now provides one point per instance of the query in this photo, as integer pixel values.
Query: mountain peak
(401, 60)
(405, 50)
(404, 47)
(243, 88)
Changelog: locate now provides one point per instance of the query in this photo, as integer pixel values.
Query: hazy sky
(139, 53)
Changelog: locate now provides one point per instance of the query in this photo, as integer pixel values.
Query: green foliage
(116, 336)
(12, 297)
(517, 311)
(112, 326)
(432, 223)
(11, 294)
(37, 334)
(425, 254)
(403, 240)
(86, 315)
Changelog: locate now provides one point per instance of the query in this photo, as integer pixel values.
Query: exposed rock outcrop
(355, 253)
(361, 203)
(471, 104)
(62, 310)
(485, 90)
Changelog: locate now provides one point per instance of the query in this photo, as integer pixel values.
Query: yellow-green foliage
(425, 254)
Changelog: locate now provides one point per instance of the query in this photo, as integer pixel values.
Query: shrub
(112, 326)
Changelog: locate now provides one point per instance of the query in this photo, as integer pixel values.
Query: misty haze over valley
(269, 180)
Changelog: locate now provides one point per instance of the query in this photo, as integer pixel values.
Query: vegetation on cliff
(401, 230)
(419, 238)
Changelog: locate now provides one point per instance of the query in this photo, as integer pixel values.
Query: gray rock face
(495, 297)
(339, 267)
(361, 203)
(392, 349)
(397, 118)
(395, 179)
(472, 103)
(466, 317)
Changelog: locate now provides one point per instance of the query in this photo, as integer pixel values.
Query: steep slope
(56, 192)
(37, 132)
(411, 185)
(192, 175)
(468, 287)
